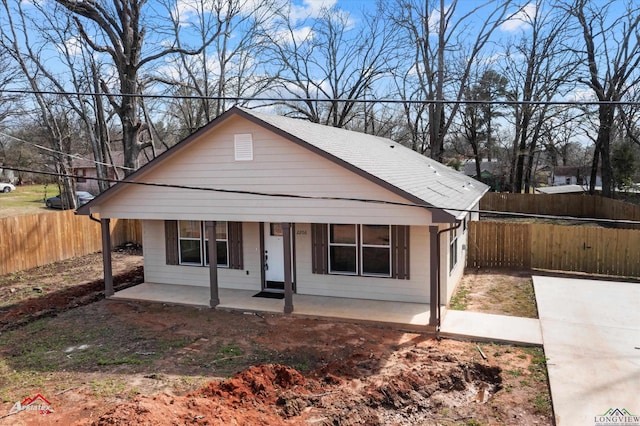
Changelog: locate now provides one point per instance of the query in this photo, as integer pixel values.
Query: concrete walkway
(496, 328)
(591, 332)
(411, 316)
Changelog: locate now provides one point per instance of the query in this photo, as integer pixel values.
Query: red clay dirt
(280, 370)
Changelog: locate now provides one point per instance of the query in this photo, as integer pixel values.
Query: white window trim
(453, 243)
(203, 240)
(181, 238)
(226, 240)
(359, 245)
(355, 245)
(363, 245)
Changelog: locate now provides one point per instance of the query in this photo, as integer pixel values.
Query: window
(343, 249)
(376, 250)
(80, 177)
(453, 248)
(193, 248)
(190, 242)
(360, 250)
(370, 250)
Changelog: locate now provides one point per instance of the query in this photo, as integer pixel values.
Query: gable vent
(243, 146)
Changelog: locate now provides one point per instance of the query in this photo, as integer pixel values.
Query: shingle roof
(417, 178)
(423, 178)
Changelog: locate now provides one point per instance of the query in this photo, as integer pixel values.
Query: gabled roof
(419, 178)
(399, 169)
(493, 167)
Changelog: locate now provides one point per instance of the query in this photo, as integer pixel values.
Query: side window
(189, 242)
(367, 250)
(193, 243)
(376, 250)
(453, 248)
(343, 249)
(222, 243)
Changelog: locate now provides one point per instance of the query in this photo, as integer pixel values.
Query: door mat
(269, 295)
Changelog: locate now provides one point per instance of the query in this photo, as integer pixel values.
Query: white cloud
(581, 95)
(315, 7)
(310, 9)
(521, 19)
(72, 47)
(297, 35)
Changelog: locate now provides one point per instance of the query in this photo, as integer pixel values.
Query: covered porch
(413, 316)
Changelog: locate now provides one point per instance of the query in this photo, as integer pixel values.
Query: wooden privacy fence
(577, 205)
(587, 249)
(36, 240)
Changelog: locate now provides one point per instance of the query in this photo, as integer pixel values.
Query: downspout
(439, 311)
(92, 218)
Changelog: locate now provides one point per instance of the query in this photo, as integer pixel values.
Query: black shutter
(400, 251)
(236, 260)
(319, 248)
(171, 241)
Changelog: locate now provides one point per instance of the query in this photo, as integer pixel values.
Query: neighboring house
(563, 189)
(572, 175)
(84, 169)
(267, 203)
(493, 173)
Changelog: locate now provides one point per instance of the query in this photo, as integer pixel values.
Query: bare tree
(539, 69)
(117, 28)
(439, 38)
(477, 118)
(53, 115)
(326, 58)
(228, 68)
(611, 59)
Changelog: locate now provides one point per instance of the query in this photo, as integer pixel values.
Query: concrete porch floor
(414, 316)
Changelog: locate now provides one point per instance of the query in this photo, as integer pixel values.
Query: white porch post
(434, 272)
(210, 229)
(106, 256)
(288, 286)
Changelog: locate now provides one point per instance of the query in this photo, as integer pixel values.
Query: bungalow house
(494, 173)
(263, 203)
(572, 175)
(85, 170)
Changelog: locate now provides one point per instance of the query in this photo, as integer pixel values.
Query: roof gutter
(93, 218)
(439, 310)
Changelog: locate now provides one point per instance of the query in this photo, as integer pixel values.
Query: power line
(284, 99)
(331, 198)
(74, 156)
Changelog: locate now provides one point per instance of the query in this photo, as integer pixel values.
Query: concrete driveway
(591, 335)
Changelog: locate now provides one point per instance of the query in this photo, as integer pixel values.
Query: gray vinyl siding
(279, 166)
(157, 271)
(415, 289)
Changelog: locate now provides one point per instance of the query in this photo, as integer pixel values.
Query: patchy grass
(496, 292)
(460, 298)
(26, 199)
